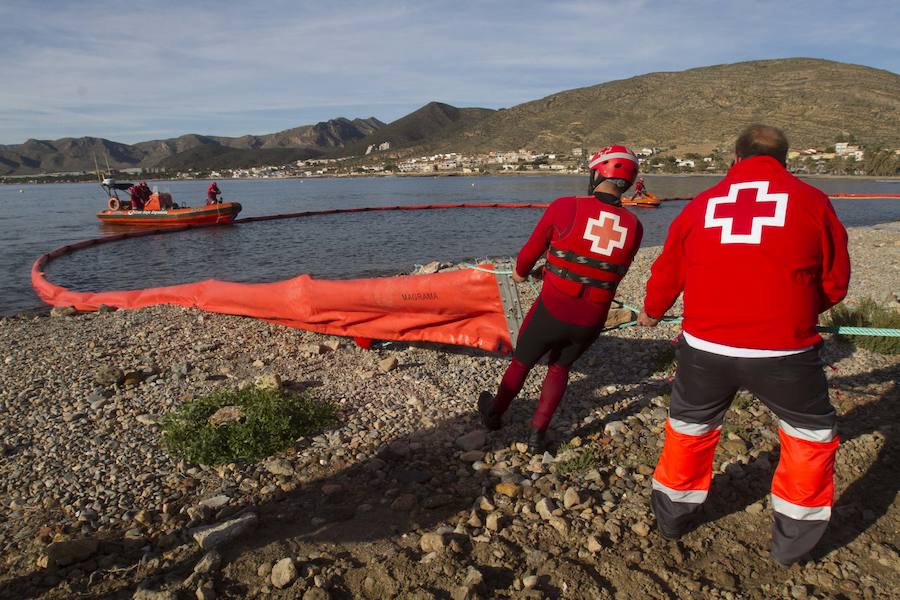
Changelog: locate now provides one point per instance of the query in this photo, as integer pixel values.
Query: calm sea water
(43, 217)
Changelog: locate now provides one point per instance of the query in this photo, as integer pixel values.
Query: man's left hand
(645, 320)
(517, 278)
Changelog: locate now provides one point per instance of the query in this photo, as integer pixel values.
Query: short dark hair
(762, 140)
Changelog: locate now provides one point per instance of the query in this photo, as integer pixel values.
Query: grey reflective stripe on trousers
(688, 496)
(694, 429)
(800, 513)
(810, 435)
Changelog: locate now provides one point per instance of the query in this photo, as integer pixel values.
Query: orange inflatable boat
(226, 212)
(159, 210)
(648, 200)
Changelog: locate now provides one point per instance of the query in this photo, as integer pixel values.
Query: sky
(133, 71)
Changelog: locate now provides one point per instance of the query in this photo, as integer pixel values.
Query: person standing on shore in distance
(589, 242)
(758, 257)
(212, 194)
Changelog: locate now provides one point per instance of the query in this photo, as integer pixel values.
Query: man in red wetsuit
(589, 242)
(639, 188)
(137, 197)
(758, 257)
(212, 194)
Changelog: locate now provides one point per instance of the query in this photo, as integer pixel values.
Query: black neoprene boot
(537, 441)
(489, 419)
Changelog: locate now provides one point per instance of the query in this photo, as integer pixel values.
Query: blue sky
(133, 71)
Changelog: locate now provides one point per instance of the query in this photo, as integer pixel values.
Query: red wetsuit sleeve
(555, 218)
(835, 261)
(667, 273)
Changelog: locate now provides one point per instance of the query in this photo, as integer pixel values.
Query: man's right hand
(517, 278)
(645, 320)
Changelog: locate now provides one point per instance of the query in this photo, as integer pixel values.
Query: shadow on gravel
(416, 481)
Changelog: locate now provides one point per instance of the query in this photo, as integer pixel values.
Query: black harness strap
(587, 261)
(583, 280)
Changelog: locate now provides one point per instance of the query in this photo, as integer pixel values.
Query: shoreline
(894, 178)
(402, 495)
(45, 309)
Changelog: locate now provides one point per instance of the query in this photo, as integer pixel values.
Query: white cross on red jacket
(758, 257)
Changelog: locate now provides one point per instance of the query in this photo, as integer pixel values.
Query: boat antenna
(97, 170)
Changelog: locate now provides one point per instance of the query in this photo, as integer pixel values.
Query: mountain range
(816, 101)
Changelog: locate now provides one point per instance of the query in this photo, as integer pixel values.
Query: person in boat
(639, 189)
(140, 195)
(763, 254)
(213, 194)
(589, 243)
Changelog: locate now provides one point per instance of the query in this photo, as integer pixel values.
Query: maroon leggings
(543, 334)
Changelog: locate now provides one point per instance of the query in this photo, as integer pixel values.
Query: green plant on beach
(269, 421)
(867, 313)
(577, 460)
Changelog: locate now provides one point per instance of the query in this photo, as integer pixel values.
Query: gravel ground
(407, 496)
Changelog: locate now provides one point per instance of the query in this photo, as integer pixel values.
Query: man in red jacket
(212, 194)
(589, 242)
(758, 257)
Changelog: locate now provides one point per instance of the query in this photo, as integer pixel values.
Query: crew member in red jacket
(589, 242)
(212, 194)
(758, 257)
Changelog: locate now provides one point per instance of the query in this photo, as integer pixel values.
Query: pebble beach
(407, 496)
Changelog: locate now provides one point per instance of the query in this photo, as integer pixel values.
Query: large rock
(269, 381)
(145, 594)
(61, 554)
(284, 573)
(472, 440)
(210, 536)
(107, 375)
(545, 508)
(63, 311)
(432, 542)
(618, 316)
(388, 364)
(507, 488)
(280, 467)
(227, 414)
(571, 498)
(211, 561)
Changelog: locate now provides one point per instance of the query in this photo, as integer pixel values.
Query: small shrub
(867, 313)
(578, 460)
(272, 420)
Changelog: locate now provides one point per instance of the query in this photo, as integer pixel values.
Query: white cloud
(120, 69)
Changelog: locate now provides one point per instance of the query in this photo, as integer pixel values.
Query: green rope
(841, 330)
(846, 330)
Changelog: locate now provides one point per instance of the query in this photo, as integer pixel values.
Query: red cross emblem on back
(605, 233)
(744, 212)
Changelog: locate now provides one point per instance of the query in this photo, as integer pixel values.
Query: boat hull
(647, 201)
(202, 215)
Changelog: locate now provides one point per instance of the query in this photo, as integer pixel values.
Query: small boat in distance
(647, 200)
(160, 210)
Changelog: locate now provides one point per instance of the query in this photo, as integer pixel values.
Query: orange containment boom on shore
(453, 307)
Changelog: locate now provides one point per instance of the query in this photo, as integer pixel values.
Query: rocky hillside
(815, 101)
(187, 151)
(422, 127)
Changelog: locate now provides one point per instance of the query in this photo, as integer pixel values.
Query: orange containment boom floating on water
(461, 307)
